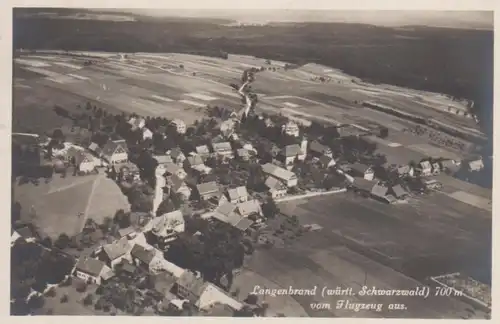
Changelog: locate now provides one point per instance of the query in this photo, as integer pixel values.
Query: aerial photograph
(252, 163)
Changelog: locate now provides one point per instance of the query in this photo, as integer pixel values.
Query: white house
(179, 125)
(115, 152)
(146, 133)
(287, 177)
(223, 149)
(168, 226)
(85, 162)
(406, 170)
(425, 168)
(291, 129)
(113, 253)
(476, 165)
(276, 188)
(93, 270)
(212, 295)
(290, 153)
(137, 122)
(235, 195)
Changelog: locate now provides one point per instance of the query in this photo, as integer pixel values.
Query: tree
(58, 135)
(269, 208)
(88, 300)
(62, 241)
(122, 219)
(64, 299)
(36, 302)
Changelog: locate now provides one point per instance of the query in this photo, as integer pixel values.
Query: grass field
(64, 204)
(434, 227)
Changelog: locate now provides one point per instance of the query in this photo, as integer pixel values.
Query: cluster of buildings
(131, 254)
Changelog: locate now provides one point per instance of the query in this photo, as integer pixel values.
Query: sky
(455, 19)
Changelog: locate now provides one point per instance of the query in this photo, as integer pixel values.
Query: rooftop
(91, 266)
(207, 187)
(116, 249)
(140, 252)
(237, 193)
(278, 172)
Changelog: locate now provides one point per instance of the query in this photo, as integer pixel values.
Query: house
(379, 192)
(179, 125)
(326, 161)
(235, 195)
(177, 156)
(317, 149)
(85, 162)
(26, 233)
(163, 159)
(223, 149)
(141, 257)
(398, 192)
(195, 162)
(178, 186)
(212, 295)
(436, 168)
(92, 270)
(276, 188)
(168, 226)
(137, 122)
(174, 169)
(287, 177)
(115, 152)
(359, 169)
(115, 252)
(405, 170)
(128, 232)
(189, 286)
(163, 284)
(95, 148)
(14, 237)
(475, 165)
(448, 165)
(203, 151)
(208, 190)
(248, 208)
(243, 154)
(425, 168)
(147, 133)
(228, 213)
(362, 185)
(291, 129)
(290, 153)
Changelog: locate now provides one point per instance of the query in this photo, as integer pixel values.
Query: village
(210, 188)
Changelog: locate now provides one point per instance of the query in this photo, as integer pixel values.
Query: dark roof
(139, 252)
(176, 152)
(25, 232)
(112, 146)
(315, 146)
(359, 167)
(379, 190)
(127, 266)
(325, 160)
(291, 150)
(90, 266)
(207, 187)
(363, 184)
(398, 191)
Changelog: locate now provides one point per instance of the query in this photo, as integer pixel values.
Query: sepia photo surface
(251, 163)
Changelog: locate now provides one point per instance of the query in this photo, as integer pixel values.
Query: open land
(391, 244)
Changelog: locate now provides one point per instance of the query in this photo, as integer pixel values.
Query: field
(409, 237)
(64, 204)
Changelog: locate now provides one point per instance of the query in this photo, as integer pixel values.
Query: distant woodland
(452, 61)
